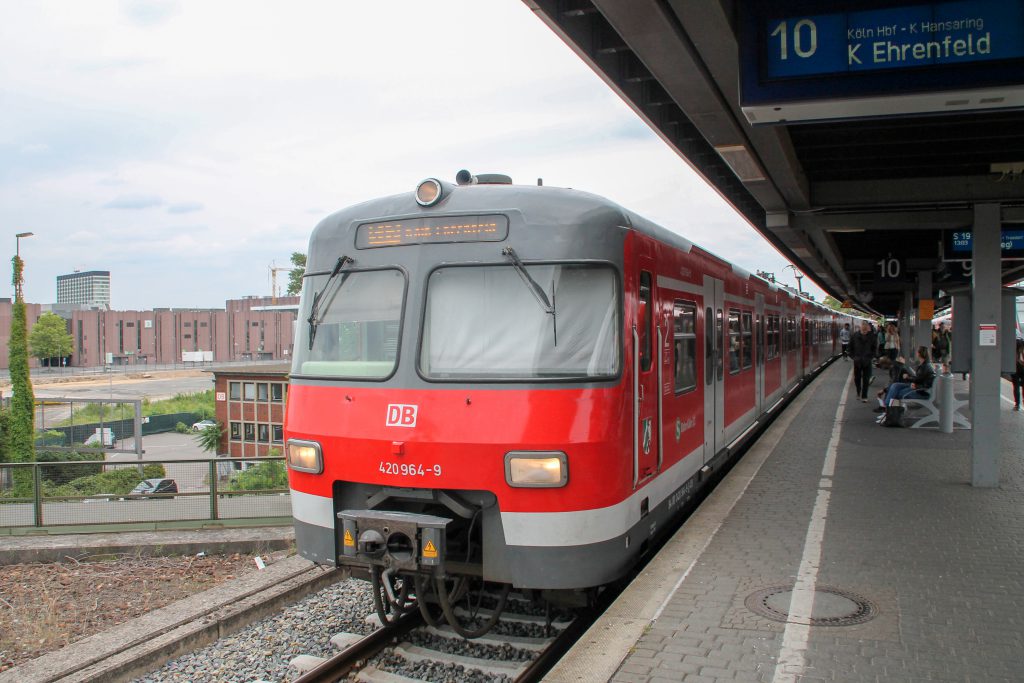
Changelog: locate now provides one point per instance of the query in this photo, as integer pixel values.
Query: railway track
(520, 648)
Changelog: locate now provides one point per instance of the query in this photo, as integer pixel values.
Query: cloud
(149, 12)
(185, 207)
(134, 201)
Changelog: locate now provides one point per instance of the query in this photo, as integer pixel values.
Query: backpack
(893, 414)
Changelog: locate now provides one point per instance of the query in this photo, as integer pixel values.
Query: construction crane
(274, 270)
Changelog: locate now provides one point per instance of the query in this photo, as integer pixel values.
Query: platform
(836, 550)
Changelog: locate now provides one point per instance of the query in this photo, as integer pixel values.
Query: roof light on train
(429, 192)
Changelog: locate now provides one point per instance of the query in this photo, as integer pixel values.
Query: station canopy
(855, 136)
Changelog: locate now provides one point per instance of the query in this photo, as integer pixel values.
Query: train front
(456, 409)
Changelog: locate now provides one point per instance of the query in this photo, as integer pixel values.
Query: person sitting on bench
(920, 381)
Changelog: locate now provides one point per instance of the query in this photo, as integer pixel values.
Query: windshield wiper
(546, 304)
(318, 297)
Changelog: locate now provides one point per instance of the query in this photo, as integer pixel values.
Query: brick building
(250, 404)
(32, 313)
(252, 328)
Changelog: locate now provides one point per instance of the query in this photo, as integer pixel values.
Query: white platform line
(792, 660)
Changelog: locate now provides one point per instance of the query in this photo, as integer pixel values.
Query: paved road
(185, 507)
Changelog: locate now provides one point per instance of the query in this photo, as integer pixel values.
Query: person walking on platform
(892, 342)
(863, 343)
(941, 344)
(844, 340)
(1017, 376)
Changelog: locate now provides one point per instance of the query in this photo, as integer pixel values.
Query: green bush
(153, 471)
(118, 482)
(60, 474)
(263, 477)
(51, 437)
(182, 428)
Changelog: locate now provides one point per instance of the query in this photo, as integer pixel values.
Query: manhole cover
(832, 606)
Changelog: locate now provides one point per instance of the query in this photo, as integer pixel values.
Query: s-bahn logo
(401, 415)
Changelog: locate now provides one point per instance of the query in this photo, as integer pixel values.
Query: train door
(714, 367)
(646, 390)
(759, 351)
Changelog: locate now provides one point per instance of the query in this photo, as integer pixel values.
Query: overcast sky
(184, 146)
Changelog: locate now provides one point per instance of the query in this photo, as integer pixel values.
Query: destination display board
(432, 229)
(959, 244)
(800, 51)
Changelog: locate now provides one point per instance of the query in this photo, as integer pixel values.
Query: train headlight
(536, 469)
(305, 456)
(429, 192)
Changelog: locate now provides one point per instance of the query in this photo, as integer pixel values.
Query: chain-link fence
(121, 490)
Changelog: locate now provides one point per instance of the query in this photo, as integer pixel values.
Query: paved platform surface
(829, 500)
(53, 548)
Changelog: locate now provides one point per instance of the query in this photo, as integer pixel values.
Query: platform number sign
(889, 268)
(802, 35)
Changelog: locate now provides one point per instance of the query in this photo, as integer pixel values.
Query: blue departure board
(909, 36)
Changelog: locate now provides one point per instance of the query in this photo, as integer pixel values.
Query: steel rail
(334, 668)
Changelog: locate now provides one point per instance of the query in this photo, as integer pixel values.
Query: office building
(91, 288)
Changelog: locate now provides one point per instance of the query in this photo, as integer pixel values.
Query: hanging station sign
(806, 60)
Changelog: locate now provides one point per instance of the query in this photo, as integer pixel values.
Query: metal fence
(123, 491)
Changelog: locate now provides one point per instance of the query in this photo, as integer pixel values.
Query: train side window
(709, 346)
(746, 340)
(645, 317)
(772, 350)
(685, 337)
(735, 341)
(720, 355)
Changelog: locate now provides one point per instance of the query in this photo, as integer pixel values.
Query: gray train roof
(539, 205)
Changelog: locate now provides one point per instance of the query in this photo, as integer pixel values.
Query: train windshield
(358, 326)
(485, 323)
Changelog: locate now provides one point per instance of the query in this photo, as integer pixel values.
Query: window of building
(255, 324)
(187, 336)
(202, 324)
(236, 431)
(262, 393)
(250, 431)
(278, 432)
(746, 340)
(276, 392)
(264, 433)
(235, 391)
(734, 341)
(250, 391)
(188, 324)
(130, 324)
(685, 338)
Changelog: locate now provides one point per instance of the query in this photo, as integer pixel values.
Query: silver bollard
(944, 393)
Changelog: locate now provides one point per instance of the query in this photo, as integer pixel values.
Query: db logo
(401, 415)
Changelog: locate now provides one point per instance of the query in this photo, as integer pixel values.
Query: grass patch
(200, 403)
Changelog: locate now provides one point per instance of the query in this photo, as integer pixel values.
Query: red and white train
(520, 385)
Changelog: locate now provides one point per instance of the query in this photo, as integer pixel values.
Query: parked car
(101, 438)
(153, 487)
(203, 424)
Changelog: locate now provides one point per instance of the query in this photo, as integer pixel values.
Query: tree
(21, 434)
(295, 276)
(49, 338)
(209, 438)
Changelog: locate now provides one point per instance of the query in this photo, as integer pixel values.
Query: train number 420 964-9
(409, 470)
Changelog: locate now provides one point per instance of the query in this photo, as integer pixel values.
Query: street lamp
(17, 242)
(17, 256)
